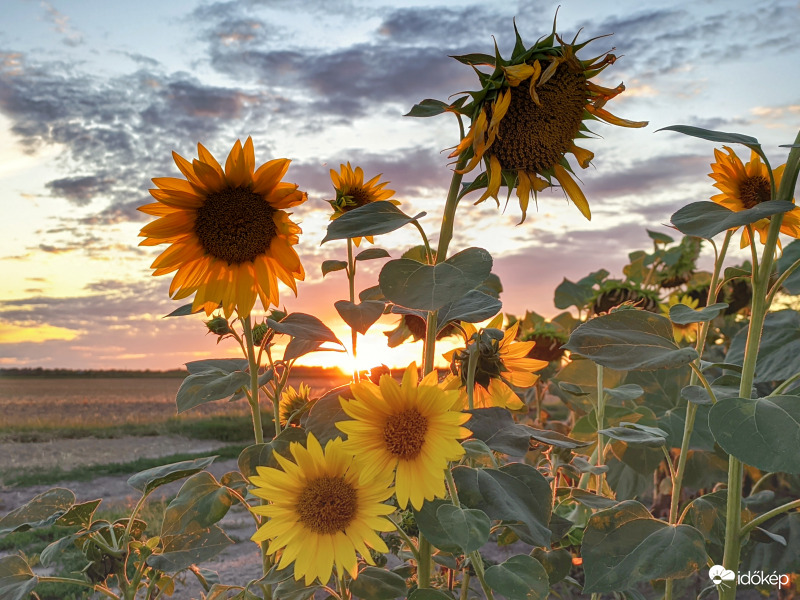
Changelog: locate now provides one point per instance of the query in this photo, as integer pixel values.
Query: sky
(95, 95)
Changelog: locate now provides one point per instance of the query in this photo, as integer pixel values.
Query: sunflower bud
(259, 332)
(218, 326)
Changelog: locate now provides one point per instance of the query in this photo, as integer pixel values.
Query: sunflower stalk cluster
(586, 454)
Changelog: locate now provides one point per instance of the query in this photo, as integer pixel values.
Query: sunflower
(293, 400)
(501, 362)
(744, 186)
(352, 192)
(230, 239)
(528, 114)
(686, 332)
(410, 426)
(321, 510)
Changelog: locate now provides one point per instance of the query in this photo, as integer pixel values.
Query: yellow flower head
(352, 192)
(501, 362)
(744, 186)
(686, 332)
(230, 239)
(528, 114)
(293, 400)
(411, 427)
(321, 510)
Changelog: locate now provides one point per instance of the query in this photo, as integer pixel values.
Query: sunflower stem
(351, 281)
(748, 527)
(477, 564)
(448, 218)
(472, 366)
(691, 407)
(451, 485)
(464, 586)
(733, 513)
(601, 407)
(424, 563)
(409, 542)
(255, 410)
(429, 349)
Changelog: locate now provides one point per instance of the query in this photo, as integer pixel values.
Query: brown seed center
(357, 196)
(404, 433)
(235, 225)
(327, 505)
(754, 190)
(534, 137)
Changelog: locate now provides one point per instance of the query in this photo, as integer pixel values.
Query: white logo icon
(718, 574)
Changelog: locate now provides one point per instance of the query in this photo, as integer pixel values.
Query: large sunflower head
(528, 114)
(409, 426)
(230, 239)
(352, 192)
(501, 363)
(744, 186)
(321, 510)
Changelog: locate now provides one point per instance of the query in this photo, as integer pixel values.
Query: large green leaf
(707, 515)
(148, 480)
(569, 293)
(330, 266)
(373, 583)
(473, 307)
(17, 580)
(557, 563)
(521, 577)
(633, 433)
(631, 340)
(761, 432)
(261, 455)
(326, 412)
(372, 254)
(201, 502)
(374, 218)
(79, 515)
(184, 550)
(508, 494)
(661, 388)
(790, 255)
(706, 219)
(305, 327)
(209, 385)
(429, 525)
(719, 137)
(360, 316)
(497, 429)
(468, 528)
(229, 365)
(779, 354)
(44, 509)
(682, 314)
(624, 545)
(419, 286)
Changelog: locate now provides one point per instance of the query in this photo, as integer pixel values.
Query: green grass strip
(28, 477)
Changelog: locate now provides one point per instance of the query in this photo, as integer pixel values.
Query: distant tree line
(298, 371)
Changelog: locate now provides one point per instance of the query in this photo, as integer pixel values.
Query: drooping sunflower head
(686, 332)
(321, 510)
(230, 239)
(501, 363)
(411, 427)
(353, 192)
(528, 114)
(744, 186)
(293, 401)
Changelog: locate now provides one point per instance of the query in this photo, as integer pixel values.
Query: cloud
(79, 189)
(61, 24)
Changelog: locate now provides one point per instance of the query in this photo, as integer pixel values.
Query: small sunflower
(502, 362)
(230, 239)
(321, 510)
(744, 186)
(410, 426)
(686, 332)
(293, 400)
(352, 192)
(528, 114)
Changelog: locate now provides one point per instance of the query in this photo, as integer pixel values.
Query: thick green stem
(255, 409)
(464, 586)
(429, 351)
(351, 282)
(424, 563)
(733, 523)
(601, 409)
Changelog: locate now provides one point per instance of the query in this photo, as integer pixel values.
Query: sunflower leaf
(17, 580)
(429, 287)
(303, 326)
(360, 316)
(681, 314)
(183, 550)
(44, 509)
(329, 266)
(182, 311)
(473, 307)
(720, 137)
(791, 254)
(372, 253)
(630, 340)
(374, 218)
(209, 385)
(148, 480)
(707, 219)
(660, 238)
(429, 107)
(521, 577)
